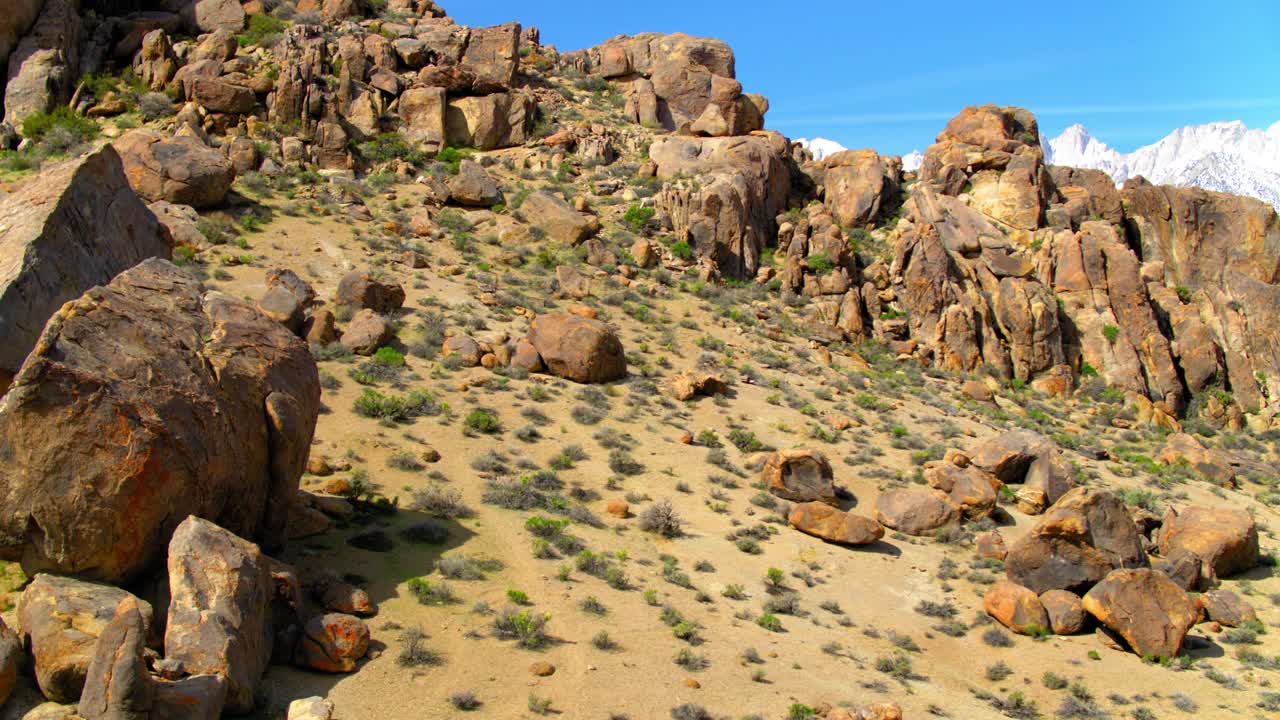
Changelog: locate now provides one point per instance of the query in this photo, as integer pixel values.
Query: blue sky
(888, 75)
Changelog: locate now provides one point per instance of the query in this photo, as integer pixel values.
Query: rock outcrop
(1081, 538)
(180, 169)
(1144, 607)
(104, 462)
(724, 195)
(577, 348)
(75, 225)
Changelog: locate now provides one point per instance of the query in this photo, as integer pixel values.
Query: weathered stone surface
(180, 169)
(1225, 540)
(423, 111)
(312, 708)
(103, 462)
(218, 95)
(1227, 608)
(14, 24)
(155, 64)
(473, 186)
(821, 520)
(1183, 567)
(493, 54)
(1097, 279)
(332, 643)
(1082, 537)
(578, 349)
(799, 475)
(60, 619)
(696, 381)
(1015, 607)
(219, 621)
(860, 185)
(75, 225)
(1066, 613)
(11, 659)
(723, 195)
(557, 219)
(367, 332)
(182, 222)
(210, 15)
(970, 490)
(915, 511)
(488, 122)
(360, 289)
(45, 64)
(118, 685)
(1144, 607)
(196, 697)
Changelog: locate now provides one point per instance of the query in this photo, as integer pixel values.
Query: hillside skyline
(1137, 92)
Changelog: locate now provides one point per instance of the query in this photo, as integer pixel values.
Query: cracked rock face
(145, 401)
(75, 225)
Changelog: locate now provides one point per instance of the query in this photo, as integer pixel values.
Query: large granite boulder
(145, 401)
(1144, 607)
(834, 525)
(799, 475)
(860, 185)
(577, 348)
(75, 225)
(1081, 538)
(61, 619)
(180, 169)
(221, 589)
(1225, 540)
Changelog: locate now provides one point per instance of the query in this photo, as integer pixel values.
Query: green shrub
(1111, 333)
(820, 264)
(259, 28)
(637, 216)
(682, 250)
(61, 128)
(482, 421)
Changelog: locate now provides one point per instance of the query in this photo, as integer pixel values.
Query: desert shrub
(441, 501)
(526, 627)
(661, 518)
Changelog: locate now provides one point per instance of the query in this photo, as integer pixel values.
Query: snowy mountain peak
(1225, 156)
(821, 147)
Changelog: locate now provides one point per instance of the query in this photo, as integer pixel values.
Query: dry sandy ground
(818, 658)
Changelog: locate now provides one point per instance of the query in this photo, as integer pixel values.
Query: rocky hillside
(360, 364)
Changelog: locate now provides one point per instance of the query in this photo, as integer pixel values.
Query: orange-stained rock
(1144, 607)
(332, 643)
(1066, 613)
(915, 510)
(618, 508)
(577, 349)
(829, 523)
(1225, 540)
(1082, 537)
(1015, 607)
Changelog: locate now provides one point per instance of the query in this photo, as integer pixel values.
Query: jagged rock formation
(75, 226)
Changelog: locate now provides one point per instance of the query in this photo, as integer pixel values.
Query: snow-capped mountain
(1222, 156)
(822, 147)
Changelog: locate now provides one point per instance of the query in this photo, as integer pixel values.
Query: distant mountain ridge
(822, 147)
(1222, 156)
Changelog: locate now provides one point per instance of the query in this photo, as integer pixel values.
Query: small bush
(661, 518)
(526, 627)
(482, 421)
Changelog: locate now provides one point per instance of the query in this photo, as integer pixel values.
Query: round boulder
(577, 348)
(799, 475)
